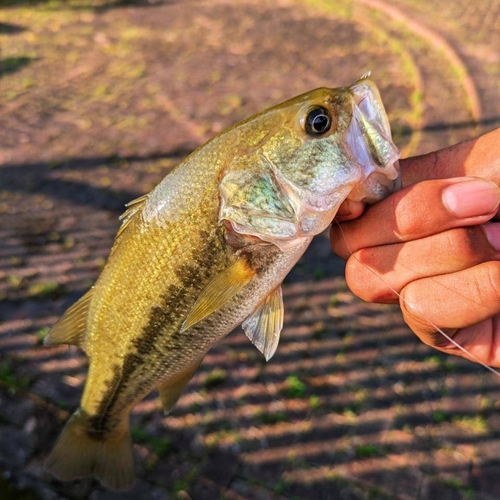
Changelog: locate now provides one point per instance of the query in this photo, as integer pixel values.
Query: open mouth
(370, 141)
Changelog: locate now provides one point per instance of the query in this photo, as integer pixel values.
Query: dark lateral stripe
(155, 338)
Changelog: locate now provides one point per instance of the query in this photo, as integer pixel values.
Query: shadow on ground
(99, 103)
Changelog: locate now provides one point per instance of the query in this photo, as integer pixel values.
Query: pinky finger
(464, 305)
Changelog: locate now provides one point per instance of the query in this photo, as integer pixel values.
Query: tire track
(438, 42)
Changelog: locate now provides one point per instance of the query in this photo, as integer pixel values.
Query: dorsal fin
(133, 208)
(70, 329)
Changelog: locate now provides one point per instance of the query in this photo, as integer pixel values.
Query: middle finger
(378, 274)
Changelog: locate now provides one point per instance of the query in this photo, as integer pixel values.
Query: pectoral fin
(264, 325)
(171, 390)
(70, 329)
(219, 292)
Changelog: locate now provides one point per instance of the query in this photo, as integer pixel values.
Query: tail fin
(77, 455)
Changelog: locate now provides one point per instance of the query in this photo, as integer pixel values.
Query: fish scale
(207, 250)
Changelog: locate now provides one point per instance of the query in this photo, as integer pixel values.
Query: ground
(98, 100)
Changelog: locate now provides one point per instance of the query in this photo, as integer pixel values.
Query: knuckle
(408, 225)
(419, 212)
(412, 215)
(413, 310)
(463, 242)
(355, 273)
(493, 279)
(337, 242)
(408, 301)
(362, 279)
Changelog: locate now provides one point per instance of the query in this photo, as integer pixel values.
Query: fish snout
(370, 141)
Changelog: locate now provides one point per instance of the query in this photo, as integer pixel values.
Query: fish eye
(317, 121)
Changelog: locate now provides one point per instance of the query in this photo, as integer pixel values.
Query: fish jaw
(369, 139)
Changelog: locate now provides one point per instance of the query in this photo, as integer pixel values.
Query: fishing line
(411, 306)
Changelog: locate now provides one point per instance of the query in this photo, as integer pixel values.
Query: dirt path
(98, 100)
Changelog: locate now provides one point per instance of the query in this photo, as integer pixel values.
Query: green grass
(439, 417)
(476, 424)
(16, 261)
(486, 404)
(318, 274)
(46, 289)
(457, 484)
(66, 4)
(10, 379)
(295, 388)
(334, 301)
(14, 281)
(319, 330)
(214, 378)
(434, 360)
(351, 410)
(272, 418)
(314, 402)
(159, 445)
(367, 451)
(9, 492)
(63, 405)
(41, 334)
(183, 483)
(282, 486)
(10, 65)
(68, 243)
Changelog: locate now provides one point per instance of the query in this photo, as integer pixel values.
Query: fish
(207, 250)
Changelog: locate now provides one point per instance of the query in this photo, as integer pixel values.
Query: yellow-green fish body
(208, 249)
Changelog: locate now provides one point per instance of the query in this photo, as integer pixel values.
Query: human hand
(431, 243)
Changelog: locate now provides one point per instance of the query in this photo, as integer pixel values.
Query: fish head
(314, 152)
(334, 138)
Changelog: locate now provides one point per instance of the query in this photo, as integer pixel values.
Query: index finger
(418, 211)
(478, 157)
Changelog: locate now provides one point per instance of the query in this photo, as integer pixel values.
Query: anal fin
(220, 291)
(70, 328)
(263, 326)
(171, 389)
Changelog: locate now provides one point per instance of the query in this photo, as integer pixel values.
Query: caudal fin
(77, 455)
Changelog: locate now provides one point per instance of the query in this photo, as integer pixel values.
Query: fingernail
(492, 232)
(471, 198)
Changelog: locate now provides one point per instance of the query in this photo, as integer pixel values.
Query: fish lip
(374, 188)
(370, 142)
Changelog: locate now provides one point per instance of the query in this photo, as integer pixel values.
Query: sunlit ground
(98, 100)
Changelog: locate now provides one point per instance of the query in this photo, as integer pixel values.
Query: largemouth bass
(207, 250)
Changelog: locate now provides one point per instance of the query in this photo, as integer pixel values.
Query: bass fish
(207, 250)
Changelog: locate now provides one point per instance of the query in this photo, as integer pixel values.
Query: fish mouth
(370, 141)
